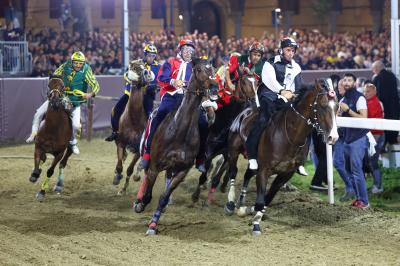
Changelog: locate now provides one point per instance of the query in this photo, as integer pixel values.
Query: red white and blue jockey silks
(174, 69)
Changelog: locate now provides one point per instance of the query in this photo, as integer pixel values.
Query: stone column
(135, 15)
(287, 20)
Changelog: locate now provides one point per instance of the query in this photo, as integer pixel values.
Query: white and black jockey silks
(279, 74)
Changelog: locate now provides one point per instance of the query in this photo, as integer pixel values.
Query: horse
(283, 145)
(176, 143)
(218, 131)
(53, 137)
(131, 125)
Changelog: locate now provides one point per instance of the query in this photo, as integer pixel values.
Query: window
(108, 9)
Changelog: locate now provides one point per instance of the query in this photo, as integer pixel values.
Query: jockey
(281, 77)
(77, 75)
(150, 53)
(173, 78)
(253, 61)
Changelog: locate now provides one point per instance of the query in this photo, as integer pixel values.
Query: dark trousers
(117, 111)
(267, 108)
(168, 104)
(148, 102)
(320, 175)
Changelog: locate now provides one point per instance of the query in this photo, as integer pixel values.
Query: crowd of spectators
(103, 49)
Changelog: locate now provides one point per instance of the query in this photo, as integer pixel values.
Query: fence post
(89, 124)
(329, 169)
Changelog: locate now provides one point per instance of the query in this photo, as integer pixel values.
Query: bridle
(311, 122)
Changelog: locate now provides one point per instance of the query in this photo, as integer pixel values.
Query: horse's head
(203, 73)
(324, 107)
(56, 89)
(139, 74)
(247, 85)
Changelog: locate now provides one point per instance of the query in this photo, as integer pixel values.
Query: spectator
(338, 155)
(375, 110)
(354, 104)
(386, 85)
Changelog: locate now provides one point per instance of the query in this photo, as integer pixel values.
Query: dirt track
(90, 225)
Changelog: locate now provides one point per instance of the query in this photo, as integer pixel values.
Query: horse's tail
(235, 127)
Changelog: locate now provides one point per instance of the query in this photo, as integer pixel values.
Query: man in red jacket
(375, 110)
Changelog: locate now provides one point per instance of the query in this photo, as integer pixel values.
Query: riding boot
(203, 130)
(252, 144)
(112, 137)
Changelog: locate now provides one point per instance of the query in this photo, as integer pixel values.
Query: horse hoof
(256, 230)
(40, 196)
(33, 179)
(121, 192)
(117, 179)
(57, 189)
(151, 232)
(138, 207)
(136, 178)
(229, 208)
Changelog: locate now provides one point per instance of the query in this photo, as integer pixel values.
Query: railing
(15, 59)
(351, 122)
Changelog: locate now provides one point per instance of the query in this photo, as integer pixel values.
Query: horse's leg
(162, 203)
(202, 180)
(45, 185)
(230, 205)
(36, 170)
(260, 201)
(168, 180)
(145, 192)
(242, 209)
(60, 178)
(129, 172)
(279, 181)
(215, 181)
(119, 167)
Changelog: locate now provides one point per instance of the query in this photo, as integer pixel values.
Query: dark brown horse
(283, 145)
(53, 137)
(176, 142)
(217, 140)
(132, 124)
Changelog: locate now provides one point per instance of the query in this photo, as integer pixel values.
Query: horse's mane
(302, 92)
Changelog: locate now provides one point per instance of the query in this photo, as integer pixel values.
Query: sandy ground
(90, 225)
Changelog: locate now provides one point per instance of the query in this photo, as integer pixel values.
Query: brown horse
(53, 137)
(217, 140)
(176, 142)
(283, 145)
(132, 124)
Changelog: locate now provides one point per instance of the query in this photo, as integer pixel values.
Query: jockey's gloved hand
(132, 76)
(209, 103)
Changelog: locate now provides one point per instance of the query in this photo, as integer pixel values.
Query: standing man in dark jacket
(386, 85)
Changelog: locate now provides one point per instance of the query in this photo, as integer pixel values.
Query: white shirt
(268, 76)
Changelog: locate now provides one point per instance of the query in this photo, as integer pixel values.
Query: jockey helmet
(184, 42)
(258, 47)
(78, 56)
(150, 48)
(289, 42)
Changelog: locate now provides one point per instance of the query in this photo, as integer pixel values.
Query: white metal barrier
(368, 123)
(15, 58)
